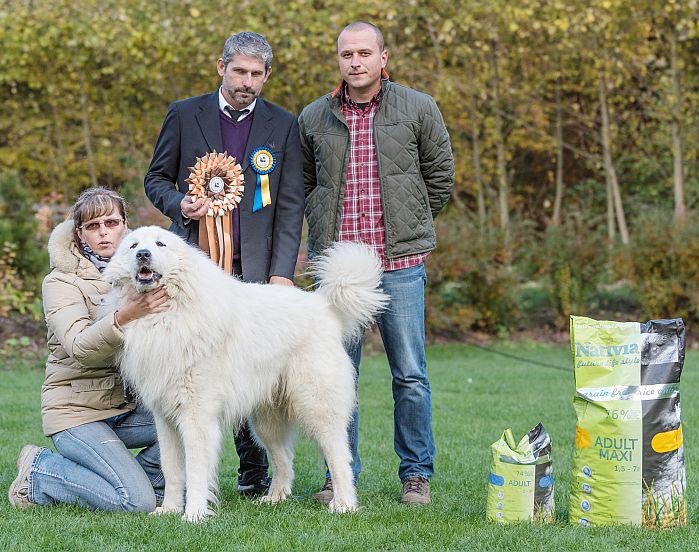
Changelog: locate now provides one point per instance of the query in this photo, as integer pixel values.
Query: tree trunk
(609, 170)
(501, 164)
(558, 199)
(476, 154)
(87, 135)
(677, 142)
(62, 181)
(611, 221)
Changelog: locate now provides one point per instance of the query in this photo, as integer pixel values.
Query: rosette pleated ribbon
(219, 178)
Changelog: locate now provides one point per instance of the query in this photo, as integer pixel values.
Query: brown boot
(416, 490)
(325, 495)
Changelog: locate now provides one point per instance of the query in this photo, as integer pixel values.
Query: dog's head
(145, 259)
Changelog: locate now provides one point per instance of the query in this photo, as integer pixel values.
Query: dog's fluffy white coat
(228, 350)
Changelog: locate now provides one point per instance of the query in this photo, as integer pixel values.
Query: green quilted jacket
(415, 161)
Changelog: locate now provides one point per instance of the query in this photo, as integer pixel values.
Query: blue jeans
(94, 468)
(402, 328)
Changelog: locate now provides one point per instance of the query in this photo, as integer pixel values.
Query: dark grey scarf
(97, 260)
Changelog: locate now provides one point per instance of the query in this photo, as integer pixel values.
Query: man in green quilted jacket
(378, 168)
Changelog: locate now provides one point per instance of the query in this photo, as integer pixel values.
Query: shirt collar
(222, 103)
(350, 103)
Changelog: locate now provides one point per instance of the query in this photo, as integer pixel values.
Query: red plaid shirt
(362, 212)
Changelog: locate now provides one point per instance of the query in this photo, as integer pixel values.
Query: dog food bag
(520, 485)
(628, 464)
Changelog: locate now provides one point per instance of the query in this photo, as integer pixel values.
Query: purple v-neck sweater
(234, 136)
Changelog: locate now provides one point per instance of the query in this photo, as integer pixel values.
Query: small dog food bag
(520, 484)
(628, 464)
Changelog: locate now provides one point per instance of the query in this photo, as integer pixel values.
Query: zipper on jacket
(378, 168)
(343, 181)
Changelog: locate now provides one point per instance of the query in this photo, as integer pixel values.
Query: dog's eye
(160, 244)
(133, 245)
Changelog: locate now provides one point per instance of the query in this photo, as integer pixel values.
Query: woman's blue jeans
(402, 327)
(94, 468)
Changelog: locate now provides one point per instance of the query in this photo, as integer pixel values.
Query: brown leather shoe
(416, 490)
(325, 495)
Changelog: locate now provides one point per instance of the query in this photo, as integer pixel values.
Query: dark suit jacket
(269, 238)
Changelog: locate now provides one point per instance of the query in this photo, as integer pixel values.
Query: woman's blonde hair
(96, 202)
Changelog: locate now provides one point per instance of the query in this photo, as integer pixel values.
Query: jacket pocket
(94, 393)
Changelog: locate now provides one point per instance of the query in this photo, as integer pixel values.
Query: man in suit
(265, 230)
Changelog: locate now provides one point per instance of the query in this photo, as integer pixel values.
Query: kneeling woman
(84, 407)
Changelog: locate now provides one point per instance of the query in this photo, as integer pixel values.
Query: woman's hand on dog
(139, 305)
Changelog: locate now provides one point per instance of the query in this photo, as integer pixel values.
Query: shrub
(469, 284)
(24, 257)
(19, 229)
(570, 261)
(663, 265)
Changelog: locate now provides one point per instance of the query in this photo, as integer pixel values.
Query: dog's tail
(349, 276)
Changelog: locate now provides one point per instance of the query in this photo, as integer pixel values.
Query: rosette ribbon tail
(211, 238)
(227, 243)
(204, 236)
(262, 196)
(215, 239)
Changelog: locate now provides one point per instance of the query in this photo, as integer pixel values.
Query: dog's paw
(275, 496)
(342, 507)
(197, 515)
(162, 510)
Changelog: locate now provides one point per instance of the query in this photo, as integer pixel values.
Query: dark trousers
(253, 458)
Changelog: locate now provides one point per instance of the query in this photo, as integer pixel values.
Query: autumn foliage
(574, 124)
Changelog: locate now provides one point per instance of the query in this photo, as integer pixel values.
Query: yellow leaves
(562, 24)
(537, 115)
(194, 12)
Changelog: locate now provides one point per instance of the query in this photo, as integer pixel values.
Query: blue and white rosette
(263, 162)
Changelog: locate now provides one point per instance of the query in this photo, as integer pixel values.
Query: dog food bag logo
(520, 483)
(628, 465)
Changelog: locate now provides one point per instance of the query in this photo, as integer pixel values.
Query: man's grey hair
(247, 44)
(362, 25)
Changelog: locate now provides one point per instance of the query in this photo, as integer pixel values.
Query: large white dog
(227, 350)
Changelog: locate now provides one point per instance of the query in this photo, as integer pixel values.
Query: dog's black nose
(143, 255)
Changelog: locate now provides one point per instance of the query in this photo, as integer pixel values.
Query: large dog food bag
(628, 465)
(520, 485)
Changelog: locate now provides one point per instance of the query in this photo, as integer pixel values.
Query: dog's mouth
(147, 276)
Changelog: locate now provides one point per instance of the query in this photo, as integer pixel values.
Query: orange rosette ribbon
(219, 178)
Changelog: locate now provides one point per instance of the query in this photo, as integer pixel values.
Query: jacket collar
(65, 256)
(259, 132)
(335, 99)
(207, 117)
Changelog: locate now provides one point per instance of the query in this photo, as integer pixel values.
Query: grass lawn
(476, 395)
